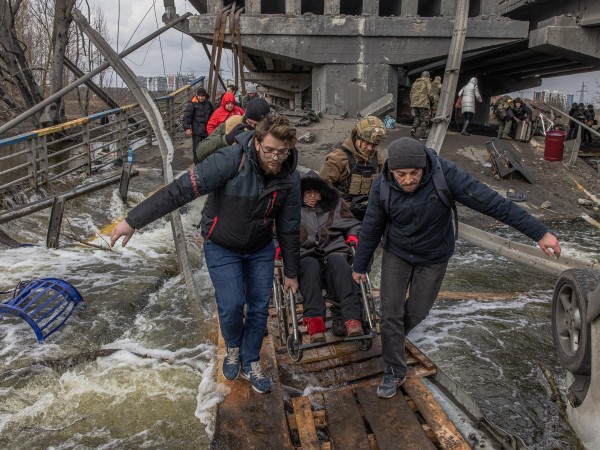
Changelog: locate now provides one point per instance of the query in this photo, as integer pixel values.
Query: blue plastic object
(44, 303)
(130, 155)
(389, 122)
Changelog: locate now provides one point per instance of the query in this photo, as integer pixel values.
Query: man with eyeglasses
(252, 186)
(352, 167)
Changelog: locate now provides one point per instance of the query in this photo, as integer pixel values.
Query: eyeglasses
(280, 154)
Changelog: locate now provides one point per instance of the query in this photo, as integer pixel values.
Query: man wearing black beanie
(409, 203)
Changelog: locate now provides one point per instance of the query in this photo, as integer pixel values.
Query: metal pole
(162, 136)
(446, 102)
(30, 112)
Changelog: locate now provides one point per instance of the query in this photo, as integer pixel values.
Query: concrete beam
(314, 40)
(287, 81)
(571, 42)
(278, 93)
(489, 7)
(332, 7)
(448, 8)
(213, 7)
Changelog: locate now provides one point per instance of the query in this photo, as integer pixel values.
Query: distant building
(556, 99)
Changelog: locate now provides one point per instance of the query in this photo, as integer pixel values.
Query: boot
(316, 329)
(354, 328)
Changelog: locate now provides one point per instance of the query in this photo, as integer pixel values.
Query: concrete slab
(384, 105)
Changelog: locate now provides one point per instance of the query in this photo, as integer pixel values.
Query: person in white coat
(469, 94)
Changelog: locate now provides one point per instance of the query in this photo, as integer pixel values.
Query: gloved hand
(352, 241)
(239, 128)
(278, 253)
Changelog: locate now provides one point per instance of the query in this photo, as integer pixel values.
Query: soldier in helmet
(422, 97)
(352, 167)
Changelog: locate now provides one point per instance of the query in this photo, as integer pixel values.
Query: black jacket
(242, 205)
(419, 225)
(196, 116)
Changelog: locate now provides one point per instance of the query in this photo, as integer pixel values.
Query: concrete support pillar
(371, 7)
(346, 89)
(298, 101)
(292, 7)
(252, 7)
(448, 8)
(409, 7)
(214, 6)
(332, 7)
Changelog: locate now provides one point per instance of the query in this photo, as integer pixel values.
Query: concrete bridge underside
(341, 55)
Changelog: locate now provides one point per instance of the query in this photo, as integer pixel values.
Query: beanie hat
(406, 153)
(202, 91)
(257, 109)
(251, 89)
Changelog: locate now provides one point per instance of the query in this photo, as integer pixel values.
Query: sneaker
(259, 382)
(413, 132)
(317, 338)
(354, 328)
(465, 133)
(390, 384)
(338, 328)
(231, 363)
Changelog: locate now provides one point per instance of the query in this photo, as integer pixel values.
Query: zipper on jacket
(212, 228)
(270, 206)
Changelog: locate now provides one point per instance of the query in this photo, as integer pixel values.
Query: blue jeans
(242, 279)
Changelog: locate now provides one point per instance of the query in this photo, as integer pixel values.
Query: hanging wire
(160, 42)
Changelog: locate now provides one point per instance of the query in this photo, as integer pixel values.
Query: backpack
(441, 187)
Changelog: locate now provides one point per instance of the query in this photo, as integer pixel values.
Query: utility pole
(581, 91)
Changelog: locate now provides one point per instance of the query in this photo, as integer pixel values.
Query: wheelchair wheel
(293, 348)
(282, 324)
(364, 344)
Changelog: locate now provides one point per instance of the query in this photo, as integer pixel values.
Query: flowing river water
(135, 366)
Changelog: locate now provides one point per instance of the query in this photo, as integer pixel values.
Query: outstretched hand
(358, 277)
(549, 241)
(122, 229)
(290, 283)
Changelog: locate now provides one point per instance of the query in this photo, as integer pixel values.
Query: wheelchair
(289, 317)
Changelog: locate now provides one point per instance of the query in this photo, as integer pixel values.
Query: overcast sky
(181, 53)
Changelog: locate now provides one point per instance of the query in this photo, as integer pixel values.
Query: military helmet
(425, 74)
(370, 129)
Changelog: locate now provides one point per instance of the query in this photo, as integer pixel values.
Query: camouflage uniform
(503, 110)
(421, 99)
(351, 172)
(436, 89)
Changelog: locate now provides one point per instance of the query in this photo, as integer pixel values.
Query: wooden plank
(247, 420)
(304, 421)
(448, 436)
(391, 419)
(418, 355)
(344, 421)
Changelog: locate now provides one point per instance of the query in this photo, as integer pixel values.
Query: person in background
(251, 94)
(590, 117)
(224, 112)
(503, 111)
(436, 89)
(521, 113)
(421, 99)
(195, 118)
(469, 93)
(251, 187)
(573, 127)
(225, 133)
(232, 89)
(417, 227)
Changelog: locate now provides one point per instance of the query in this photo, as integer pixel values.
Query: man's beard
(268, 170)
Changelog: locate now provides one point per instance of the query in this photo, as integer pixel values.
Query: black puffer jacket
(242, 205)
(419, 225)
(197, 115)
(324, 228)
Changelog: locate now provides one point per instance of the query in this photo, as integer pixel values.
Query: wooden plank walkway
(342, 413)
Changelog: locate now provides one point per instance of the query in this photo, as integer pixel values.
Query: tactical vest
(361, 176)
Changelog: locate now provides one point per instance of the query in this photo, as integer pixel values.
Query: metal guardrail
(84, 145)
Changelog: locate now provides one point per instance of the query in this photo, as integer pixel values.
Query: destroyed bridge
(338, 56)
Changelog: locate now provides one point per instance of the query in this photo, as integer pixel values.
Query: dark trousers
(336, 275)
(468, 117)
(399, 315)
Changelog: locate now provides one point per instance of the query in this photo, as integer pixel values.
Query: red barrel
(553, 150)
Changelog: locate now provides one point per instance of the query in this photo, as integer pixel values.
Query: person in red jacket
(227, 109)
